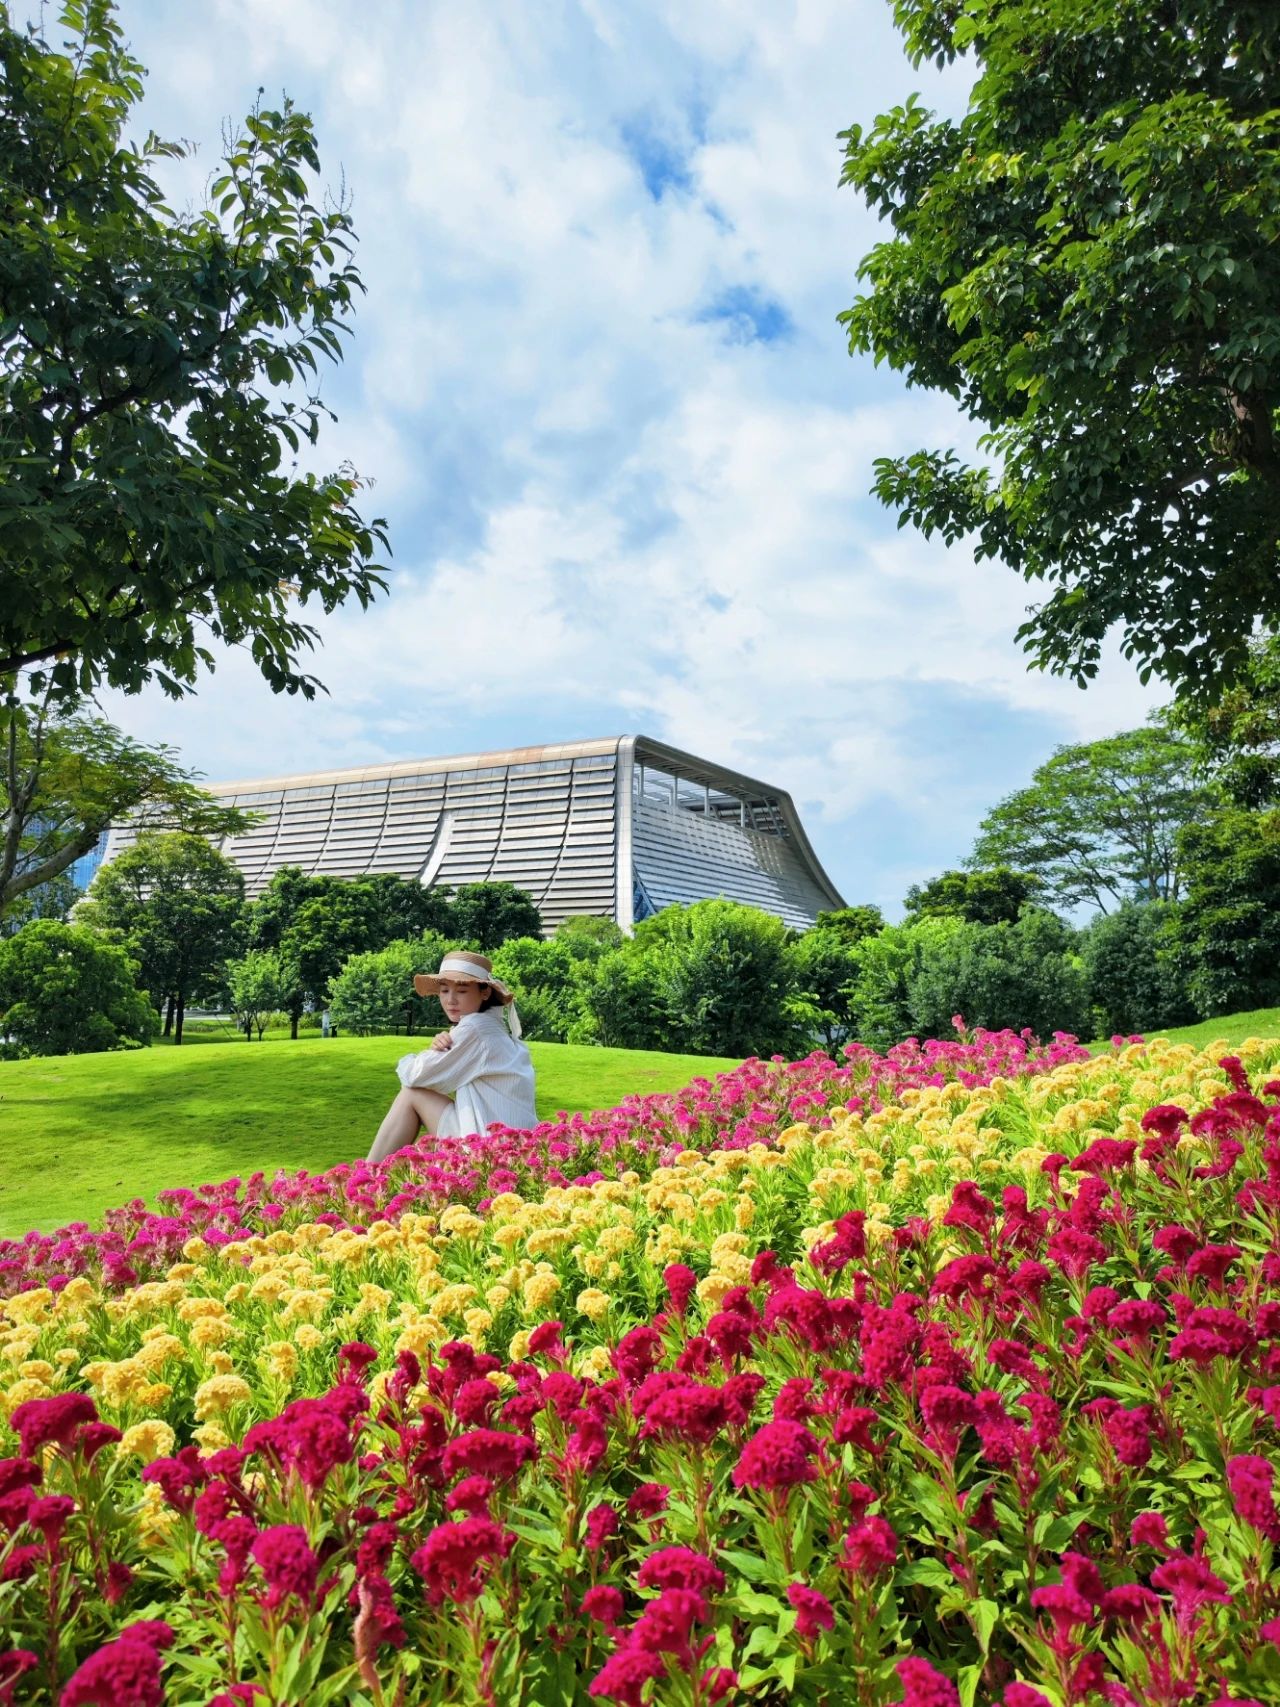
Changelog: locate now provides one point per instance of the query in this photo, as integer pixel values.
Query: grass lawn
(82, 1133)
(1231, 1029)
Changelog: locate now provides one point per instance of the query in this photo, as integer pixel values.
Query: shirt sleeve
(444, 1069)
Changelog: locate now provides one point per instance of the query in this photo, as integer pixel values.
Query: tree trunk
(293, 1026)
(177, 1028)
(168, 1018)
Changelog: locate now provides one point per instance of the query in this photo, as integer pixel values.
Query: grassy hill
(81, 1133)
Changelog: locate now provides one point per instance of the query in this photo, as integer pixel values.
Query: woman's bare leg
(411, 1110)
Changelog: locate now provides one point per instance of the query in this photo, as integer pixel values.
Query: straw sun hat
(462, 963)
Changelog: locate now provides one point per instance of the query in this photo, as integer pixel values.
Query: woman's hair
(492, 1000)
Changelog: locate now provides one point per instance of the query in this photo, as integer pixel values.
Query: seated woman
(479, 1062)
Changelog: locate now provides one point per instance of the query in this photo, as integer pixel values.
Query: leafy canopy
(1099, 822)
(158, 371)
(1088, 262)
(66, 775)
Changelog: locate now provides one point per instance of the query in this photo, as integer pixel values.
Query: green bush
(374, 991)
(1135, 970)
(66, 991)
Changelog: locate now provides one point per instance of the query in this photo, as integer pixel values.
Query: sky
(611, 420)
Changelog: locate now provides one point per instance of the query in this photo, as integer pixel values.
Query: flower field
(950, 1376)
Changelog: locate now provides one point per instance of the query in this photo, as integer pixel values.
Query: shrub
(1135, 971)
(64, 991)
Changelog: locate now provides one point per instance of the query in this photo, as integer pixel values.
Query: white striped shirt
(488, 1073)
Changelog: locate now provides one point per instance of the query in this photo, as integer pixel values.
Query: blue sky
(621, 447)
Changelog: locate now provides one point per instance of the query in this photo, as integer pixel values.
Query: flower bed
(968, 1395)
(752, 1104)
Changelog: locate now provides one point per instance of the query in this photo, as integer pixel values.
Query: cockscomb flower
(681, 1283)
(1251, 1480)
(923, 1686)
(624, 1674)
(1129, 1434)
(489, 1451)
(52, 1422)
(680, 1567)
(455, 1559)
(777, 1456)
(285, 1557)
(125, 1672)
(603, 1604)
(1191, 1585)
(870, 1547)
(813, 1610)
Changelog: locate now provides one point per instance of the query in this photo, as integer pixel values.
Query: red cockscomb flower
(924, 1687)
(812, 1608)
(777, 1456)
(286, 1560)
(870, 1547)
(52, 1422)
(454, 1560)
(124, 1673)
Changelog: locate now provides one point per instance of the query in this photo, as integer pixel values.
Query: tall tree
(67, 775)
(1229, 928)
(489, 914)
(1099, 822)
(176, 904)
(1088, 262)
(158, 370)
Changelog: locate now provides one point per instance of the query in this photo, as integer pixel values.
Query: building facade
(618, 828)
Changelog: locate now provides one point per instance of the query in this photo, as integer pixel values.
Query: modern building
(619, 828)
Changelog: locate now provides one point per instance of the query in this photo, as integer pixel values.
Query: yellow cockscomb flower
(216, 1396)
(152, 1438)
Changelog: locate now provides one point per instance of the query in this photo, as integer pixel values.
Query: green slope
(81, 1133)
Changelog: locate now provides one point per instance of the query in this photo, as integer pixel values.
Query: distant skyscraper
(619, 827)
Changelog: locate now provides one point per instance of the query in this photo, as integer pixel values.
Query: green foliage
(1229, 926)
(822, 965)
(65, 991)
(1099, 823)
(489, 914)
(851, 924)
(374, 991)
(51, 900)
(160, 370)
(1135, 972)
(881, 997)
(548, 979)
(1088, 263)
(1238, 738)
(66, 776)
(720, 976)
(587, 936)
(1027, 974)
(257, 985)
(623, 1005)
(990, 897)
(176, 903)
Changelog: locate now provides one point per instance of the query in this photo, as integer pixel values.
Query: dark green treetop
(158, 371)
(1088, 263)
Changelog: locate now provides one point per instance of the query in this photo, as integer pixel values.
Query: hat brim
(428, 984)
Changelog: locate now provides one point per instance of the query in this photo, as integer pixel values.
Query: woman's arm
(444, 1069)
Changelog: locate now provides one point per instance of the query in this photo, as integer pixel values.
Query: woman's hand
(442, 1040)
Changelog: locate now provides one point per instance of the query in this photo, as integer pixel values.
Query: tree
(548, 979)
(256, 987)
(722, 973)
(51, 900)
(65, 991)
(176, 903)
(851, 924)
(68, 775)
(489, 914)
(157, 371)
(1229, 925)
(1238, 738)
(588, 936)
(405, 909)
(881, 998)
(1099, 822)
(374, 990)
(822, 967)
(1135, 970)
(1027, 974)
(1087, 262)
(990, 897)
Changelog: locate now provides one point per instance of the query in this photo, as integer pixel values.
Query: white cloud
(616, 513)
